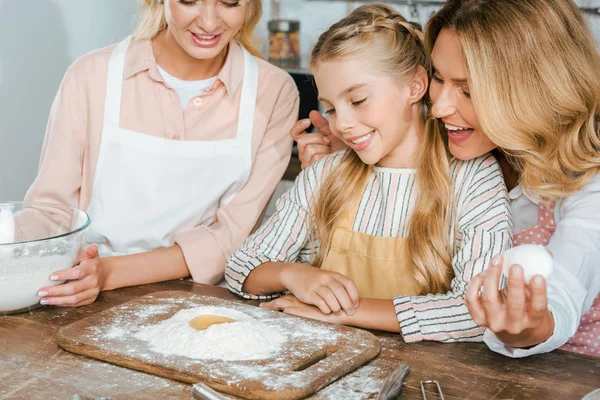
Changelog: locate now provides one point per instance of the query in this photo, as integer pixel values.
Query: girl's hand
(290, 304)
(518, 314)
(329, 291)
(314, 146)
(84, 282)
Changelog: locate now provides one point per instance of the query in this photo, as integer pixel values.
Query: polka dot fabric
(542, 232)
(587, 338)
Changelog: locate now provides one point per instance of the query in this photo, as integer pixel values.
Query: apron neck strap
(346, 219)
(248, 96)
(546, 216)
(114, 84)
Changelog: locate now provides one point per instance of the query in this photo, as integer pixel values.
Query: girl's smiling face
(371, 114)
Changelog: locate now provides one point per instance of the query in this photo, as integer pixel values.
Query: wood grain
(32, 366)
(304, 365)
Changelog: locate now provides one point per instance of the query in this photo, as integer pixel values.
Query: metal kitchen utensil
(202, 392)
(437, 385)
(392, 387)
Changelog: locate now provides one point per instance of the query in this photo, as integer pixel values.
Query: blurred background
(40, 38)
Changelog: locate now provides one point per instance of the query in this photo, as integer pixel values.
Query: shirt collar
(140, 57)
(232, 73)
(519, 191)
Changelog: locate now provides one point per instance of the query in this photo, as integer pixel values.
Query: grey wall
(38, 40)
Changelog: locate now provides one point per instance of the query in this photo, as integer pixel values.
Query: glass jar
(284, 42)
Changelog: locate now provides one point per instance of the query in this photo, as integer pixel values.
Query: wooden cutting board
(314, 354)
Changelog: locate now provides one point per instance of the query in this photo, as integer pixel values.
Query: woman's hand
(290, 304)
(84, 282)
(314, 146)
(330, 291)
(518, 314)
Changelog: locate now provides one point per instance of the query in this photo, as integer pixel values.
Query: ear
(418, 85)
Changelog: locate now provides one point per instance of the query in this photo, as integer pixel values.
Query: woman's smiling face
(451, 99)
(204, 28)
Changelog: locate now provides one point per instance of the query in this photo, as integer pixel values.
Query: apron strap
(114, 84)
(248, 97)
(346, 220)
(546, 217)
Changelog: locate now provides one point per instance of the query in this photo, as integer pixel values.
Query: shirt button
(197, 102)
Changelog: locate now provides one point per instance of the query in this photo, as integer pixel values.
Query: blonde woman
(172, 141)
(540, 103)
(384, 235)
(531, 87)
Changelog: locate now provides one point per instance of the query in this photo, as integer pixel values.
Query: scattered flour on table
(245, 339)
(362, 383)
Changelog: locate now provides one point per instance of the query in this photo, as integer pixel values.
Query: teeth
(454, 128)
(205, 37)
(362, 139)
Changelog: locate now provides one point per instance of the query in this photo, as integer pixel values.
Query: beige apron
(377, 265)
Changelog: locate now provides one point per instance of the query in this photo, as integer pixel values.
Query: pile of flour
(21, 278)
(245, 339)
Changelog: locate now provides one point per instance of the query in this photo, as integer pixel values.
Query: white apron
(148, 188)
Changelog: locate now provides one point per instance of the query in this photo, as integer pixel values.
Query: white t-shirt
(186, 90)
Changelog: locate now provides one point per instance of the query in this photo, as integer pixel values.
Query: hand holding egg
(533, 258)
(518, 314)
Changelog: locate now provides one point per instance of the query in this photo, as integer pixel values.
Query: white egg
(533, 258)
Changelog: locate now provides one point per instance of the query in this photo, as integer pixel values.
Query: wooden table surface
(32, 366)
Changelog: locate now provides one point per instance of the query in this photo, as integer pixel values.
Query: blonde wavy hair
(152, 22)
(393, 47)
(534, 76)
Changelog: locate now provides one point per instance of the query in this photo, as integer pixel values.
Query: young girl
(172, 141)
(533, 86)
(389, 231)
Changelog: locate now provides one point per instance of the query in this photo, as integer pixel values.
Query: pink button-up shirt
(72, 142)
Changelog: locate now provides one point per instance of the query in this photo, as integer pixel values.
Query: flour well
(246, 339)
(21, 278)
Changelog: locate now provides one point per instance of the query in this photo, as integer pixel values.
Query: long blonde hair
(153, 21)
(381, 36)
(534, 75)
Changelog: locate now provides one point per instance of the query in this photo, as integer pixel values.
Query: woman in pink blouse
(173, 141)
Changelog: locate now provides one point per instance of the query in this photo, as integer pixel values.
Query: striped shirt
(481, 229)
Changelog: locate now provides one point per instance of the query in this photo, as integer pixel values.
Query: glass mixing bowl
(595, 395)
(36, 239)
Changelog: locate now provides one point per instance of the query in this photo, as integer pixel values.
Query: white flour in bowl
(245, 339)
(21, 278)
